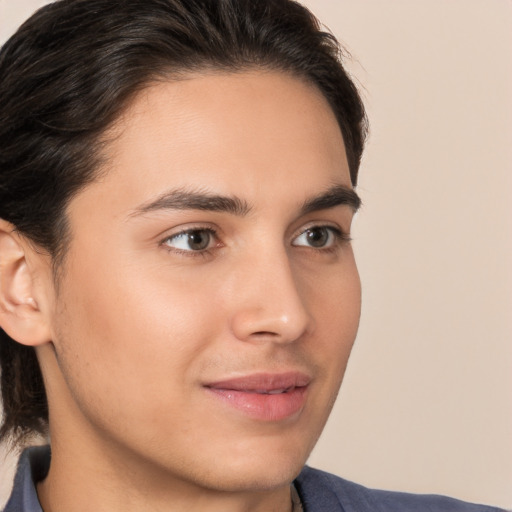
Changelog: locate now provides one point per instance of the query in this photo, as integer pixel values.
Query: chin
(259, 477)
(258, 470)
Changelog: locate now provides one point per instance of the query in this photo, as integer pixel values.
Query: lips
(263, 396)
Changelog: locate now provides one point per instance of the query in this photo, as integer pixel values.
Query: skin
(140, 322)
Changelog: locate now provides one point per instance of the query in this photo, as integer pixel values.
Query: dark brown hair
(67, 74)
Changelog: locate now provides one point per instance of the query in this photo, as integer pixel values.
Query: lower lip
(264, 407)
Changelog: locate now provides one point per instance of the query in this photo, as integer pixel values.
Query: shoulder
(32, 467)
(324, 492)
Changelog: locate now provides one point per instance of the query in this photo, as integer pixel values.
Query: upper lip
(263, 382)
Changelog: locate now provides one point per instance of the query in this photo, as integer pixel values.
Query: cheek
(335, 300)
(126, 335)
(334, 296)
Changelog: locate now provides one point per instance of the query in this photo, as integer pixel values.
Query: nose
(269, 301)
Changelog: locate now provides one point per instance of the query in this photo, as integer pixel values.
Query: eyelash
(190, 253)
(340, 238)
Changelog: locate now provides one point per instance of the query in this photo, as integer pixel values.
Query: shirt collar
(33, 467)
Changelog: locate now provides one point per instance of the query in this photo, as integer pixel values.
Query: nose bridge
(269, 300)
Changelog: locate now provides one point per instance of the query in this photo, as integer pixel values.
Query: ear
(20, 314)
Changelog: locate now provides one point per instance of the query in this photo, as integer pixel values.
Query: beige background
(427, 402)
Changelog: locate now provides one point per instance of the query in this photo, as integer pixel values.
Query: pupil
(317, 237)
(198, 240)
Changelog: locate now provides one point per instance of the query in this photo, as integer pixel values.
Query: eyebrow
(338, 195)
(182, 199)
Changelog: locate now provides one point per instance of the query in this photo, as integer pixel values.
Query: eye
(191, 240)
(318, 237)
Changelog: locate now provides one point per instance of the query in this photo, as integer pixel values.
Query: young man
(178, 293)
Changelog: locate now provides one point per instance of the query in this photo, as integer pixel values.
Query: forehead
(232, 133)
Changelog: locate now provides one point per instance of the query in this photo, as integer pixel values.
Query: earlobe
(20, 314)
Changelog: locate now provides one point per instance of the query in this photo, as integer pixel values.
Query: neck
(80, 481)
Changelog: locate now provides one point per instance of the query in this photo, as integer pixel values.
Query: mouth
(264, 397)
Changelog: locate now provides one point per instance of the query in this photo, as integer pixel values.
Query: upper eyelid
(320, 224)
(164, 239)
(339, 234)
(191, 230)
(190, 252)
(180, 230)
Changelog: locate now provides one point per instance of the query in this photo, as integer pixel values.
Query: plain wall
(426, 405)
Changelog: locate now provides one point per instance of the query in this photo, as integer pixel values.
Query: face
(209, 299)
